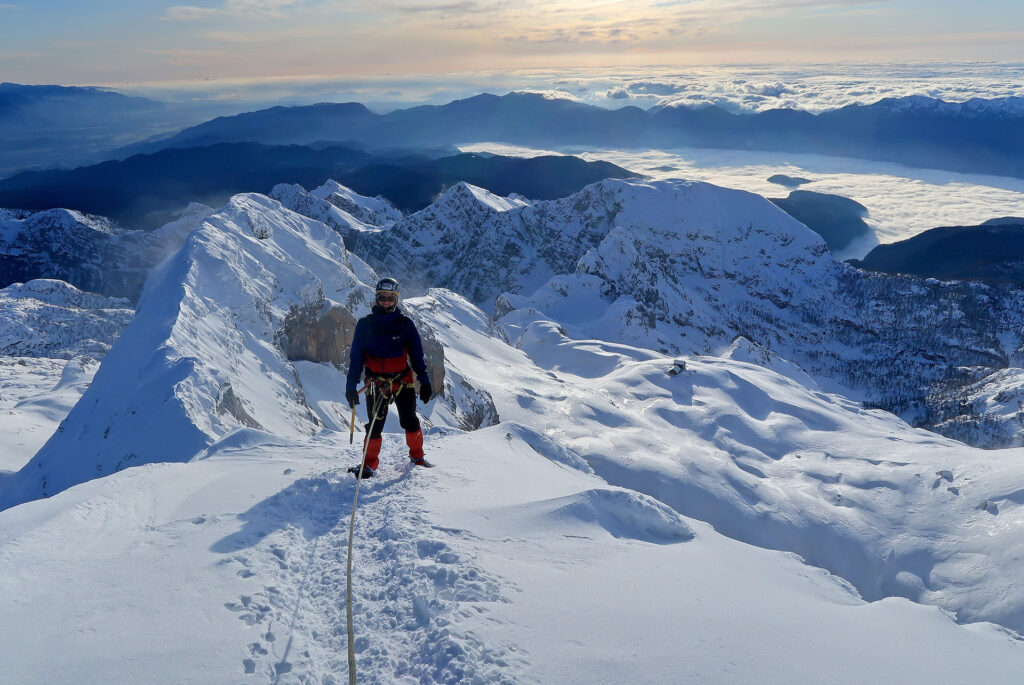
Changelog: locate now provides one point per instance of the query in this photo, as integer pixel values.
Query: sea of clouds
(901, 201)
(737, 88)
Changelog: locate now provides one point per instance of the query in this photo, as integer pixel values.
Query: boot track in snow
(411, 586)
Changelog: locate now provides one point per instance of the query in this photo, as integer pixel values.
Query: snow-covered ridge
(603, 451)
(200, 359)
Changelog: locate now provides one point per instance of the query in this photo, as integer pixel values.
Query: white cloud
(233, 8)
(754, 88)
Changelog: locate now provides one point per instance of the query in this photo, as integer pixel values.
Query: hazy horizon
(737, 88)
(420, 50)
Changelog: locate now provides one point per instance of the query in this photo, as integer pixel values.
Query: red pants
(405, 401)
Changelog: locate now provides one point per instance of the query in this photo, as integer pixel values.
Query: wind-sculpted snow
(200, 357)
(765, 459)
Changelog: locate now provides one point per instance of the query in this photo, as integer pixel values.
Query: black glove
(353, 397)
(426, 392)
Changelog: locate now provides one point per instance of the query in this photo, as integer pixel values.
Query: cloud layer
(739, 89)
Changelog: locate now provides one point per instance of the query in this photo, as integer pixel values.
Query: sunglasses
(386, 297)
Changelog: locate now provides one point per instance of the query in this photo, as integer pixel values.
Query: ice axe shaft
(352, 425)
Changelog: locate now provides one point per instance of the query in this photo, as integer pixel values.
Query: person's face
(386, 299)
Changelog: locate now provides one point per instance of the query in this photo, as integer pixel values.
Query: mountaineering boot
(372, 453)
(414, 439)
(367, 472)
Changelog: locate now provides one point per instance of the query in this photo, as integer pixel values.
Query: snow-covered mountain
(89, 252)
(686, 268)
(619, 496)
(53, 319)
(52, 338)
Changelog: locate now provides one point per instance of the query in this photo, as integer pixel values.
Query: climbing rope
(379, 397)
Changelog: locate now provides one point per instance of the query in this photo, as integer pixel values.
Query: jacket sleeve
(415, 351)
(355, 362)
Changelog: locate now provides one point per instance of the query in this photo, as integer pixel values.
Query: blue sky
(114, 42)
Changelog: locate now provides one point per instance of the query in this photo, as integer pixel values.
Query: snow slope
(499, 565)
(894, 510)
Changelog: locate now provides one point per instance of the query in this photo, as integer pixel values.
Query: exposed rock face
(319, 333)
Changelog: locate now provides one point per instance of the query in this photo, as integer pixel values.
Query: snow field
(498, 565)
(892, 509)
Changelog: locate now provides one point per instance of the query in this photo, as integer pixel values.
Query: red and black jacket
(386, 344)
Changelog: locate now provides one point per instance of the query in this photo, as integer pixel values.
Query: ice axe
(352, 425)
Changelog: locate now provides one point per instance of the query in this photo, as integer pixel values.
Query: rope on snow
(351, 530)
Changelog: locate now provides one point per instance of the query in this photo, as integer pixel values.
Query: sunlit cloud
(586, 22)
(231, 8)
(437, 7)
(737, 89)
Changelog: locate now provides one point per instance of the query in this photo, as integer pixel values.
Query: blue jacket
(386, 343)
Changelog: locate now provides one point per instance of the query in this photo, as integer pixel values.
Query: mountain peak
(462, 193)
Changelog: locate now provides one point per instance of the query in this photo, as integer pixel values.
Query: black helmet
(388, 285)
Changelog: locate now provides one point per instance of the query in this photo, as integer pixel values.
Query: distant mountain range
(48, 126)
(43, 126)
(993, 251)
(146, 191)
(979, 136)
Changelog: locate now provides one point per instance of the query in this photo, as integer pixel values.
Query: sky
(110, 42)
